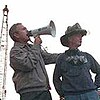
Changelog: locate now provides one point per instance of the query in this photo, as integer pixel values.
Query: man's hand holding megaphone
(37, 40)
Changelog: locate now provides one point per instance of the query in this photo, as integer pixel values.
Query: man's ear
(16, 35)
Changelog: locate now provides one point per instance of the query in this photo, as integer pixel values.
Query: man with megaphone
(28, 62)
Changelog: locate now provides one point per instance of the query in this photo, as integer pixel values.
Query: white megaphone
(48, 30)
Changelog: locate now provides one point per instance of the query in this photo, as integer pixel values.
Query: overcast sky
(35, 14)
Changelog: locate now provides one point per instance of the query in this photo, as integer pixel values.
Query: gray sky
(35, 14)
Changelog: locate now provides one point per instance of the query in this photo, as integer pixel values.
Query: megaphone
(48, 30)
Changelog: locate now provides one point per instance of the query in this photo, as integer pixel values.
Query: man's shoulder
(61, 55)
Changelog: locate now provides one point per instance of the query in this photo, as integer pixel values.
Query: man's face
(21, 34)
(76, 40)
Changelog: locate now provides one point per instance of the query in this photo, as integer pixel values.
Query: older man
(72, 78)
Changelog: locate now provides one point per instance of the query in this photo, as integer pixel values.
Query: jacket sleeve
(95, 68)
(21, 60)
(49, 58)
(57, 79)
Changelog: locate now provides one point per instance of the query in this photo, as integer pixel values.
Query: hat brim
(64, 38)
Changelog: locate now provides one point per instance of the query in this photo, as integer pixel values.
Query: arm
(95, 68)
(57, 79)
(49, 58)
(21, 60)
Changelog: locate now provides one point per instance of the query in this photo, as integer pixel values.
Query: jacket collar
(72, 52)
(20, 44)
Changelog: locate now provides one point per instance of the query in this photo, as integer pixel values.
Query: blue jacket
(72, 73)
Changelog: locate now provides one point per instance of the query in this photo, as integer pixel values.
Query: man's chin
(79, 45)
